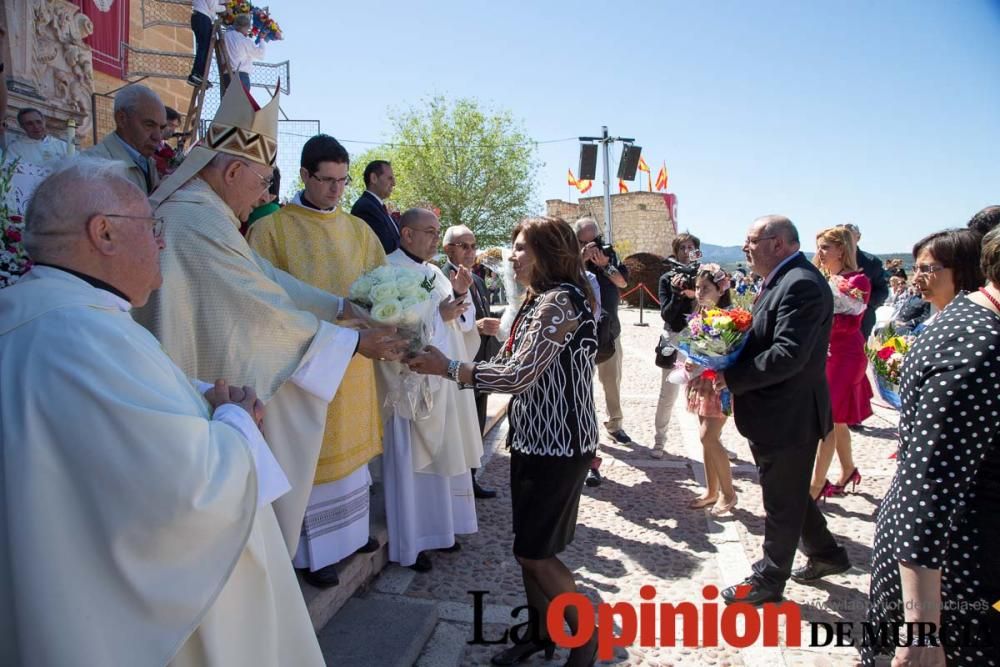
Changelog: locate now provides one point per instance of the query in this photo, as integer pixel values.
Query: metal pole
(642, 306)
(608, 235)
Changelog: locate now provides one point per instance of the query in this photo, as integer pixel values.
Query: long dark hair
(557, 255)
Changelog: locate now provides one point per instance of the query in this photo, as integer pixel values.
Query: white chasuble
(225, 312)
(130, 533)
(448, 441)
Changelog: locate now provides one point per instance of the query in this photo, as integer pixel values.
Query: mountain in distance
(731, 257)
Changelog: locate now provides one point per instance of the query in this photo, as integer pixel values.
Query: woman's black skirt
(545, 496)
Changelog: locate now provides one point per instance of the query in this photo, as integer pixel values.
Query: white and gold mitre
(240, 128)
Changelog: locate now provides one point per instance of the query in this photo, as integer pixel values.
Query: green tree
(476, 165)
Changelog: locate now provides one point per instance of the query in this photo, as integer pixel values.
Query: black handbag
(665, 360)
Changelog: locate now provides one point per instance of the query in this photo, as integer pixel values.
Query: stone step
(356, 572)
(388, 632)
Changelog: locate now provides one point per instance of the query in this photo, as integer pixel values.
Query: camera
(606, 248)
(689, 271)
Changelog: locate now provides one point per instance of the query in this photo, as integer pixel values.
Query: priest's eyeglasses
(330, 180)
(157, 226)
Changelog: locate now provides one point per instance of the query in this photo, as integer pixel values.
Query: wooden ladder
(192, 121)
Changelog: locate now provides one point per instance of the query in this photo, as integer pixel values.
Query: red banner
(671, 201)
(110, 18)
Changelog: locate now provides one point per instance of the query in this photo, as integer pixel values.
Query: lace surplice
(550, 372)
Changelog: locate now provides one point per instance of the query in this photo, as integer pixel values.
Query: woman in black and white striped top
(548, 366)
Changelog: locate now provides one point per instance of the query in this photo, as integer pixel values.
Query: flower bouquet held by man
(401, 297)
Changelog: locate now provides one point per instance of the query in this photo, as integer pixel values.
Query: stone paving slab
(635, 530)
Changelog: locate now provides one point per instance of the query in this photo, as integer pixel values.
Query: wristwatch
(610, 270)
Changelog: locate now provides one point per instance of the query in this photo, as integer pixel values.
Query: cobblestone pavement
(635, 530)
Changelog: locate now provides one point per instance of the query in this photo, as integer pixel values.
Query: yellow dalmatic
(330, 250)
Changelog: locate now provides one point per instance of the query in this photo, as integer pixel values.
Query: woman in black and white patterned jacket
(548, 366)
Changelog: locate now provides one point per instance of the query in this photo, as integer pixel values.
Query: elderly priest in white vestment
(137, 526)
(225, 311)
(426, 462)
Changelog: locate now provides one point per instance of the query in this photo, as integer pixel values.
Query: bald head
(140, 118)
(771, 239)
(63, 202)
(90, 218)
(419, 232)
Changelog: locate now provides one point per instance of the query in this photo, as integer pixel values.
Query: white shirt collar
(377, 198)
(107, 297)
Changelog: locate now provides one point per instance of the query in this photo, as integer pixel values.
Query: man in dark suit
(370, 206)
(460, 247)
(781, 403)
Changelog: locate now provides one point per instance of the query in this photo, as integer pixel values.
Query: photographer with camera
(677, 301)
(601, 260)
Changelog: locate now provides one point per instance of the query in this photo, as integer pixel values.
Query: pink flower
(14, 235)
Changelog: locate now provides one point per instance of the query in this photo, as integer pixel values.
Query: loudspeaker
(629, 162)
(588, 162)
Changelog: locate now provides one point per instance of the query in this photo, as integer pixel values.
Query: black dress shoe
(750, 591)
(620, 436)
(814, 570)
(370, 546)
(593, 477)
(481, 493)
(325, 577)
(457, 546)
(422, 564)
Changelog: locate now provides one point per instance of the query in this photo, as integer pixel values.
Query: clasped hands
(244, 397)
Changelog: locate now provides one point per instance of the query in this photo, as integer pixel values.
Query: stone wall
(641, 221)
(49, 65)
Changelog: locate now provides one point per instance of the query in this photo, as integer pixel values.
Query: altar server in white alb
(137, 527)
(428, 489)
(225, 311)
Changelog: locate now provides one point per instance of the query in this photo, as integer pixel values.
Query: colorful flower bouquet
(263, 28)
(402, 298)
(715, 337)
(886, 352)
(847, 299)
(14, 261)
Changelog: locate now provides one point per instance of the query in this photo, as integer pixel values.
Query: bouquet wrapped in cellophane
(886, 351)
(847, 299)
(497, 260)
(715, 337)
(402, 298)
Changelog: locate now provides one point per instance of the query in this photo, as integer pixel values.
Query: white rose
(408, 302)
(360, 289)
(409, 289)
(382, 274)
(384, 292)
(387, 312)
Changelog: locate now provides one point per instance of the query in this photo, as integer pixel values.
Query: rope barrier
(645, 289)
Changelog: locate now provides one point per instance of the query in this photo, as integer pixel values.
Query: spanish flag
(642, 165)
(661, 178)
(571, 179)
(622, 188)
(584, 186)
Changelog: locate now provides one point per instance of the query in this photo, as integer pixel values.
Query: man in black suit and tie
(481, 343)
(781, 404)
(370, 206)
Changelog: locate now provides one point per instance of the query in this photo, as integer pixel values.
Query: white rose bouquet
(402, 298)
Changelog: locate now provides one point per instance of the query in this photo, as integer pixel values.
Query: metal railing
(174, 13)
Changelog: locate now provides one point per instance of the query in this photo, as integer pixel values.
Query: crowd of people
(201, 411)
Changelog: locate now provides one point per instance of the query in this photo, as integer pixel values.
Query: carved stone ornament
(50, 67)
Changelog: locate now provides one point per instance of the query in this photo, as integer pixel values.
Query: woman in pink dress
(846, 363)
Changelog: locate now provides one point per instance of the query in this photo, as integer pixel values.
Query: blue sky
(883, 113)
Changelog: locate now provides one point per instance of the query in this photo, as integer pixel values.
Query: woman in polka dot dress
(936, 556)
